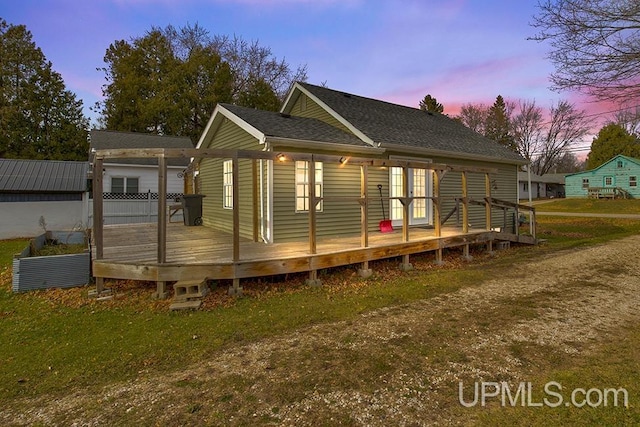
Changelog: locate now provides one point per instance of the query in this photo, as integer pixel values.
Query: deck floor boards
(130, 251)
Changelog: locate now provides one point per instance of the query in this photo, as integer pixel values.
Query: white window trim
(428, 191)
(305, 186)
(227, 184)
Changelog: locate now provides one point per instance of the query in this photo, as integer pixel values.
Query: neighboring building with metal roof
(317, 119)
(549, 185)
(42, 180)
(134, 176)
(51, 189)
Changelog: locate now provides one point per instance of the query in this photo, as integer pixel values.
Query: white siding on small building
(147, 177)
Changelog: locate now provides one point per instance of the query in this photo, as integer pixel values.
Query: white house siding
(22, 219)
(147, 176)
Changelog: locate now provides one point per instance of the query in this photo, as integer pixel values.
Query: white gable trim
(290, 98)
(219, 114)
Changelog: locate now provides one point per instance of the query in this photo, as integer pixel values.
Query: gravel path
(395, 366)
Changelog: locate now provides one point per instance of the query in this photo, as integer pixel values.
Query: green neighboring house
(320, 120)
(616, 178)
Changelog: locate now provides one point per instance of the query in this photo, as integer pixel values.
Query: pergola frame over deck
(440, 170)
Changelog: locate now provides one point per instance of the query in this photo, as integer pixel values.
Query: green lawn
(619, 206)
(55, 340)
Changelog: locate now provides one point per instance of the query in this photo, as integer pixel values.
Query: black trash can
(192, 209)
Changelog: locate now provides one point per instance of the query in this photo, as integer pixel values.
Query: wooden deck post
(406, 205)
(364, 271)
(312, 205)
(161, 286)
(313, 274)
(437, 177)
(256, 202)
(487, 209)
(465, 203)
(465, 214)
(236, 206)
(98, 218)
(235, 288)
(162, 210)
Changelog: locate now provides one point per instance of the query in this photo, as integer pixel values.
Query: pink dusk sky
(459, 51)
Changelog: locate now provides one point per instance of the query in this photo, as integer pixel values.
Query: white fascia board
(208, 127)
(331, 146)
(290, 98)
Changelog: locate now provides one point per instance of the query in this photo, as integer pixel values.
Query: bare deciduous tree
(527, 126)
(474, 116)
(251, 63)
(595, 45)
(566, 126)
(629, 120)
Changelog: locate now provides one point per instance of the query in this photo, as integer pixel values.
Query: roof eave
(288, 105)
(333, 146)
(456, 154)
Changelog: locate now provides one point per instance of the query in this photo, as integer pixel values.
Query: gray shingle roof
(302, 128)
(388, 123)
(107, 140)
(42, 176)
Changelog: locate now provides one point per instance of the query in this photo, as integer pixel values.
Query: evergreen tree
(613, 139)
(431, 104)
(497, 125)
(39, 117)
(169, 81)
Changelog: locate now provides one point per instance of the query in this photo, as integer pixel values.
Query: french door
(420, 185)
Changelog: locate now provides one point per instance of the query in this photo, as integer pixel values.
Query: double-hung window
(302, 185)
(227, 184)
(127, 185)
(585, 182)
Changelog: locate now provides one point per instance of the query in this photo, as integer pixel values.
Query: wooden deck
(193, 253)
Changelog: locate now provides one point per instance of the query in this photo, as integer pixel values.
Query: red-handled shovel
(385, 224)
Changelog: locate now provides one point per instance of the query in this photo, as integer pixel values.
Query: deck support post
(313, 280)
(406, 265)
(235, 289)
(161, 286)
(437, 214)
(312, 204)
(465, 253)
(256, 202)
(437, 177)
(98, 220)
(365, 272)
(487, 208)
(406, 203)
(161, 290)
(235, 191)
(364, 206)
(465, 203)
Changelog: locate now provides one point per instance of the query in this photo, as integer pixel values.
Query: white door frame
(395, 207)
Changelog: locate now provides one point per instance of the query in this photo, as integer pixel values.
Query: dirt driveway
(397, 366)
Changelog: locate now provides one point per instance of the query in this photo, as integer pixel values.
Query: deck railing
(439, 172)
